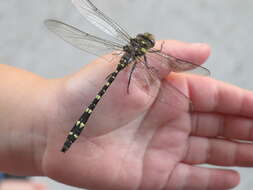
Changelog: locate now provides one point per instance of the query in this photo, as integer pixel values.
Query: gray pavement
(226, 25)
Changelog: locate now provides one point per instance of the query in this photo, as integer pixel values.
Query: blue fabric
(2, 176)
(7, 176)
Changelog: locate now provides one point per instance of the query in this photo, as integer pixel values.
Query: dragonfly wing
(156, 68)
(100, 20)
(176, 64)
(80, 39)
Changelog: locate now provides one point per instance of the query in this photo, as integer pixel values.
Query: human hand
(150, 146)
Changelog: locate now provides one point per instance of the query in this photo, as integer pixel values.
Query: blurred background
(226, 25)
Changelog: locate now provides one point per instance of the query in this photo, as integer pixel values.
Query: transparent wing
(168, 62)
(179, 65)
(149, 72)
(100, 20)
(80, 39)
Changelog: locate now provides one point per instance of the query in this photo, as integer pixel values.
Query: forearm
(21, 135)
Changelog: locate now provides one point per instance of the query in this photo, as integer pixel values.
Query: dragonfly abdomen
(81, 123)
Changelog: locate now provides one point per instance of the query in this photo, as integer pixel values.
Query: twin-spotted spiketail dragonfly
(134, 51)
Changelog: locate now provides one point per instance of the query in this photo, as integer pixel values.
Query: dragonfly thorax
(146, 40)
(140, 44)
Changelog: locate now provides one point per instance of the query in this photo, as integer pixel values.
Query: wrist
(23, 121)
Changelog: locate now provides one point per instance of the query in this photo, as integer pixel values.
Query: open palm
(133, 144)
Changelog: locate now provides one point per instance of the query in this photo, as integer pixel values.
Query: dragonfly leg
(148, 66)
(159, 50)
(130, 76)
(146, 62)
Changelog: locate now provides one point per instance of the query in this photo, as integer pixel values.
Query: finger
(209, 95)
(187, 177)
(219, 152)
(214, 125)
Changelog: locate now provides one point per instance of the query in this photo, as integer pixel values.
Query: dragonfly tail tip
(64, 149)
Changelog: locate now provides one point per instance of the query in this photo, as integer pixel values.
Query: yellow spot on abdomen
(98, 97)
(88, 110)
(81, 125)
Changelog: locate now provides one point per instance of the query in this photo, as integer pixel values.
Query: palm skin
(131, 144)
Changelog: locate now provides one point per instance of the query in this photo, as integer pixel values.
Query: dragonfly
(134, 51)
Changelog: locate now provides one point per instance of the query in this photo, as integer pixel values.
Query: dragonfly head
(146, 40)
